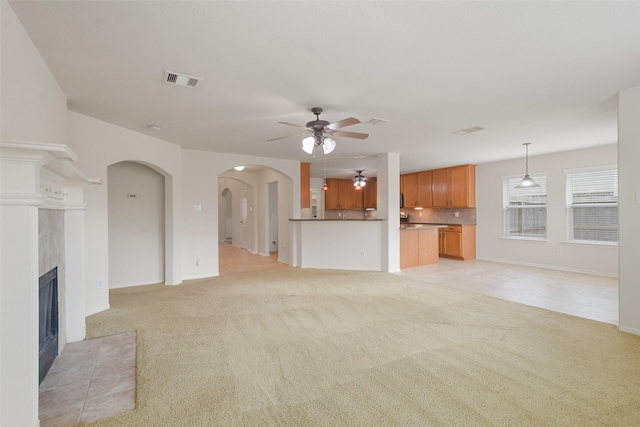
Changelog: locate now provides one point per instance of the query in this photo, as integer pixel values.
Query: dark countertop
(338, 219)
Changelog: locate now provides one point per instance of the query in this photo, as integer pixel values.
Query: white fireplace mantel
(35, 176)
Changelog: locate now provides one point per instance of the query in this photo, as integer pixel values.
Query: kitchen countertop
(337, 219)
(416, 226)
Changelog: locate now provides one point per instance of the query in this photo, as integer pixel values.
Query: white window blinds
(592, 206)
(525, 209)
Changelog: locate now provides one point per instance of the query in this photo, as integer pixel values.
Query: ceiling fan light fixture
(328, 145)
(359, 181)
(308, 144)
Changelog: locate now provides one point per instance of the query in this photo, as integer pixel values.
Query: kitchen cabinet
(305, 185)
(418, 246)
(454, 187)
(371, 195)
(342, 195)
(416, 188)
(457, 242)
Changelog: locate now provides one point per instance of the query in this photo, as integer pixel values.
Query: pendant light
(527, 181)
(325, 187)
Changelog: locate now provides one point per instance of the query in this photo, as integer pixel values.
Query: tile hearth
(90, 380)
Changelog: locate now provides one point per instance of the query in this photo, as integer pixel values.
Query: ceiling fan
(320, 131)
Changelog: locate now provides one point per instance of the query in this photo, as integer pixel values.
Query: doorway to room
(254, 207)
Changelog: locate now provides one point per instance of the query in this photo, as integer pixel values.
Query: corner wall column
(629, 209)
(389, 209)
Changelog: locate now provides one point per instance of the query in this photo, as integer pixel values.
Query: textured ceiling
(540, 72)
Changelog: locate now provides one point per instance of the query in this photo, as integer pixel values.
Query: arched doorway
(261, 207)
(136, 217)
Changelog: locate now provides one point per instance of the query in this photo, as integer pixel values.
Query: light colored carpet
(293, 347)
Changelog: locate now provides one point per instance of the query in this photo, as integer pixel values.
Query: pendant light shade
(328, 145)
(310, 142)
(527, 181)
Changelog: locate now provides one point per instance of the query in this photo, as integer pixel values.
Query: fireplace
(48, 320)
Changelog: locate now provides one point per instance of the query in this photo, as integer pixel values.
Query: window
(592, 206)
(525, 209)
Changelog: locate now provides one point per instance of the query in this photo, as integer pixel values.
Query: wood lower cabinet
(342, 195)
(418, 247)
(457, 242)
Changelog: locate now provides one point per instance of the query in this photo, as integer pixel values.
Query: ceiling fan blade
(351, 134)
(291, 124)
(288, 136)
(343, 123)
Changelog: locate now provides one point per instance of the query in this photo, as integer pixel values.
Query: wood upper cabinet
(355, 200)
(371, 195)
(416, 188)
(424, 189)
(454, 187)
(305, 185)
(410, 189)
(332, 195)
(342, 195)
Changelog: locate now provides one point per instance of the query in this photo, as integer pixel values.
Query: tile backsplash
(442, 216)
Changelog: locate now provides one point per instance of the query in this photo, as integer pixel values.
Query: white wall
(238, 188)
(574, 257)
(272, 189)
(200, 172)
(32, 108)
(629, 208)
(99, 144)
(285, 194)
(136, 225)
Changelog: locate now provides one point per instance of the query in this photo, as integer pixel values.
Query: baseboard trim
(98, 310)
(550, 267)
(633, 331)
(209, 276)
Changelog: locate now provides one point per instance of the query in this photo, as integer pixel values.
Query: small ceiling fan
(320, 131)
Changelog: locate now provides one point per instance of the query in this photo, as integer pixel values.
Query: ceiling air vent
(181, 79)
(468, 130)
(375, 122)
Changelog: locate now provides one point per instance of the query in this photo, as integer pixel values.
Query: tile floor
(91, 373)
(90, 380)
(582, 295)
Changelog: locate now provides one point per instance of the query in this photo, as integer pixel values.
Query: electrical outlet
(198, 260)
(456, 214)
(362, 253)
(558, 252)
(420, 214)
(100, 284)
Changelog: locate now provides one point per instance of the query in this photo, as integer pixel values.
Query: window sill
(602, 244)
(525, 239)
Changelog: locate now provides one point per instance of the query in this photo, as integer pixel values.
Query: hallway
(237, 260)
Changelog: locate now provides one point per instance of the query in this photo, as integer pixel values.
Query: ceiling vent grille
(181, 79)
(468, 130)
(376, 122)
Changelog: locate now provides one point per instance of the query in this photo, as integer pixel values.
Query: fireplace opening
(48, 320)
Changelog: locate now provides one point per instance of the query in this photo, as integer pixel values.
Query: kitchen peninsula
(341, 244)
(419, 244)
